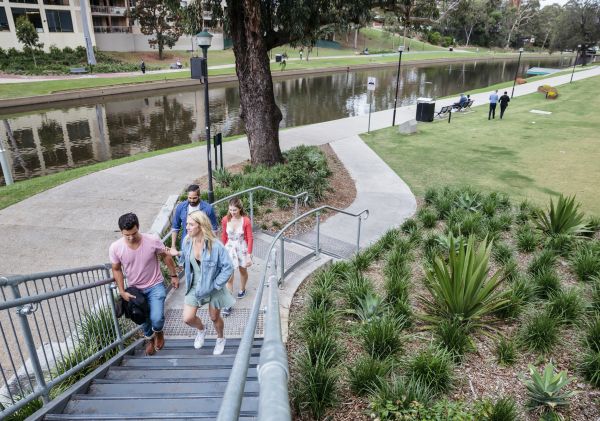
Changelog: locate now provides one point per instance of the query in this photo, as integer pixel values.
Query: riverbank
(18, 97)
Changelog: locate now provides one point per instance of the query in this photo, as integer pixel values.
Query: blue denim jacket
(216, 268)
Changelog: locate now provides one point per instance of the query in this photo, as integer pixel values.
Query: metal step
(181, 373)
(134, 389)
(144, 417)
(83, 404)
(190, 351)
(216, 361)
(189, 343)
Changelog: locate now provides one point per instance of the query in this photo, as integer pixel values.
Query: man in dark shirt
(504, 100)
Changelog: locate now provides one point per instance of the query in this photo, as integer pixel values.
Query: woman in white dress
(236, 235)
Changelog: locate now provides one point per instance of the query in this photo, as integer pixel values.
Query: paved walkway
(73, 224)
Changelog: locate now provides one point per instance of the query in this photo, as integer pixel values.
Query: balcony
(109, 10)
(112, 29)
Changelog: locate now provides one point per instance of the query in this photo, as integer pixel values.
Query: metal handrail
(250, 192)
(89, 294)
(232, 399)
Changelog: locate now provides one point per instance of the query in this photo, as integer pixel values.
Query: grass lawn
(525, 155)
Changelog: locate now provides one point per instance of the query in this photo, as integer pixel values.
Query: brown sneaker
(150, 349)
(159, 340)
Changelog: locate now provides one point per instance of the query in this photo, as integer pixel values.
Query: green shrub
(409, 226)
(593, 224)
(314, 388)
(505, 220)
(388, 239)
(320, 296)
(546, 283)
(502, 252)
(461, 288)
(318, 318)
(566, 305)
(489, 205)
(493, 228)
(430, 195)
(596, 294)
(367, 374)
(543, 261)
(585, 262)
(506, 352)
(390, 399)
(519, 293)
(362, 261)
(592, 334)
(452, 336)
(397, 284)
(381, 337)
(505, 409)
(564, 218)
(432, 367)
(322, 345)
(510, 270)
(590, 367)
(472, 224)
(527, 239)
(356, 287)
(539, 332)
(561, 244)
(325, 279)
(402, 310)
(428, 217)
(544, 391)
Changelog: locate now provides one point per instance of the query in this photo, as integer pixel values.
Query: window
(25, 1)
(3, 20)
(57, 2)
(59, 21)
(32, 14)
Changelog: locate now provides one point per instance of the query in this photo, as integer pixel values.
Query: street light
(203, 40)
(400, 50)
(575, 62)
(516, 71)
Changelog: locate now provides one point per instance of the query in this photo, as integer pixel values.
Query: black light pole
(203, 39)
(575, 62)
(516, 71)
(400, 49)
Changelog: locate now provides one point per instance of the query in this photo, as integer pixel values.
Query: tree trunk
(356, 38)
(259, 112)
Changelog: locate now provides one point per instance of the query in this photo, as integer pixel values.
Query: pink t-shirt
(141, 266)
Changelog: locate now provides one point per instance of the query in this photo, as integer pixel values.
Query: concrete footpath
(73, 224)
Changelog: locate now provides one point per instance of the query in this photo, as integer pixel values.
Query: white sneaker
(199, 341)
(220, 346)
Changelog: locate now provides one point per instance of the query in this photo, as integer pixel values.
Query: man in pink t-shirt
(137, 255)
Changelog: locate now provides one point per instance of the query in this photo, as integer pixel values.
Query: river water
(78, 134)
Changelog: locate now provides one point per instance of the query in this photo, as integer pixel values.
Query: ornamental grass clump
(432, 367)
(519, 294)
(585, 262)
(502, 252)
(527, 239)
(461, 290)
(561, 244)
(371, 307)
(368, 374)
(321, 345)
(546, 283)
(356, 287)
(391, 398)
(504, 409)
(409, 226)
(545, 390)
(318, 318)
(564, 218)
(428, 217)
(539, 332)
(506, 352)
(381, 337)
(568, 306)
(452, 335)
(543, 261)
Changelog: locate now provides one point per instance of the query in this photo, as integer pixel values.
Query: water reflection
(45, 142)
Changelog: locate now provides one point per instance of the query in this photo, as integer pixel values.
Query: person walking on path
(236, 235)
(493, 102)
(193, 203)
(136, 255)
(301, 52)
(504, 100)
(207, 269)
(143, 67)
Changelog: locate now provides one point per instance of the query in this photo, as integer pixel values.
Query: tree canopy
(159, 18)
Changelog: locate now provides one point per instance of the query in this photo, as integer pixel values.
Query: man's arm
(168, 260)
(175, 227)
(120, 281)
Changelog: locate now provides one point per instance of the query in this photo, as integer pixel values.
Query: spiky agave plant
(564, 218)
(461, 290)
(544, 390)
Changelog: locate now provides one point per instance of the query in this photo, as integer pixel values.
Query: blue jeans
(155, 296)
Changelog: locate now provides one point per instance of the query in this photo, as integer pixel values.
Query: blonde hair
(201, 219)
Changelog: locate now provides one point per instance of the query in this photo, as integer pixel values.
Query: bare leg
(190, 318)
(243, 278)
(215, 316)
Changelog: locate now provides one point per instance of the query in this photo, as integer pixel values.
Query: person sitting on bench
(462, 101)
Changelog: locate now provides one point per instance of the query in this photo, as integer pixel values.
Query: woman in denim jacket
(207, 268)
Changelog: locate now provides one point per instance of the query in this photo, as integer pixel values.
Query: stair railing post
(317, 248)
(251, 199)
(23, 312)
(281, 259)
(113, 309)
(295, 215)
(358, 235)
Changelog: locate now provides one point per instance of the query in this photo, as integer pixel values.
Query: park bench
(443, 111)
(465, 107)
(77, 70)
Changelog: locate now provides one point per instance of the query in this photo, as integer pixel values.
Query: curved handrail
(232, 399)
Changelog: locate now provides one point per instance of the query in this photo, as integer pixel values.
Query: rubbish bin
(277, 58)
(425, 109)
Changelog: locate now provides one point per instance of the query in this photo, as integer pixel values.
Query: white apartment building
(59, 23)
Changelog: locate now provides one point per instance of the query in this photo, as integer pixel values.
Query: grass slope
(526, 155)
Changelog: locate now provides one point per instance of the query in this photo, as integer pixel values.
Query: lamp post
(203, 40)
(516, 72)
(575, 62)
(400, 50)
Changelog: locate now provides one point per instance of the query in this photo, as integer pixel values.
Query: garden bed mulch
(341, 194)
(479, 375)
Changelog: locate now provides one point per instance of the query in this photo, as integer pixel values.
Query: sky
(549, 2)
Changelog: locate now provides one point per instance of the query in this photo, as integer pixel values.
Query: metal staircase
(178, 382)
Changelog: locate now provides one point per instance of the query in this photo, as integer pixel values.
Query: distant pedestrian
(135, 255)
(493, 103)
(301, 52)
(143, 67)
(207, 268)
(236, 235)
(504, 100)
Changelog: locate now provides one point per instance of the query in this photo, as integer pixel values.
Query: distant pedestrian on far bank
(493, 103)
(301, 52)
(504, 100)
(143, 67)
(236, 235)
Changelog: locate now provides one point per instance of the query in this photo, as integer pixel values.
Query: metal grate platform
(234, 324)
